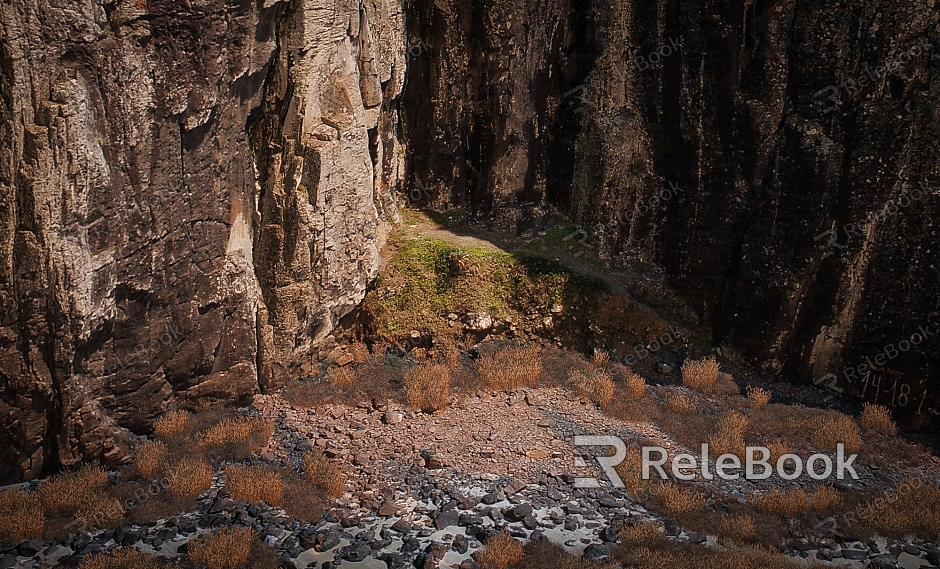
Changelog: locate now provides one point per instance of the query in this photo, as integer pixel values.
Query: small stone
(460, 544)
(389, 509)
(536, 454)
(518, 513)
(393, 417)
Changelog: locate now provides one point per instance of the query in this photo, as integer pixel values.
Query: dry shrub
(449, 352)
(877, 418)
(225, 432)
(189, 477)
(645, 534)
(426, 387)
(595, 385)
(150, 458)
(510, 368)
(630, 471)
(225, 548)
(729, 437)
(171, 424)
(324, 475)
(600, 359)
(254, 483)
(679, 403)
(695, 557)
(826, 499)
(235, 438)
(543, 554)
(342, 377)
(910, 509)
(308, 394)
(777, 449)
(832, 428)
(636, 385)
(65, 494)
(737, 529)
(758, 397)
(788, 503)
(21, 516)
(679, 502)
(500, 552)
(121, 558)
(725, 385)
(700, 374)
(302, 500)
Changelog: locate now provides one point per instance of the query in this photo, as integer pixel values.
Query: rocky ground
(427, 490)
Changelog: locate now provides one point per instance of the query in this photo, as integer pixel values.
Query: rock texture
(191, 195)
(753, 151)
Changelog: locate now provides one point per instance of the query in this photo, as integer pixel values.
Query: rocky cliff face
(191, 196)
(776, 158)
(193, 190)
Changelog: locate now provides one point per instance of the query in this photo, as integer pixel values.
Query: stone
(537, 454)
(446, 519)
(460, 544)
(518, 513)
(389, 509)
(596, 552)
(393, 417)
(355, 551)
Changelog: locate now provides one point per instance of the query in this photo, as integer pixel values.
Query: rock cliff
(190, 192)
(776, 158)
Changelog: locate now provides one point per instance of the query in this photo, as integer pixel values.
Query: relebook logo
(818, 466)
(684, 466)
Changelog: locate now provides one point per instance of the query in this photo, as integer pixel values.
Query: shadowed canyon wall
(778, 160)
(190, 192)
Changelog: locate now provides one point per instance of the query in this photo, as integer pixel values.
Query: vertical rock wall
(772, 118)
(150, 250)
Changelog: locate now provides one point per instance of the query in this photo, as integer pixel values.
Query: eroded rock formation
(153, 248)
(785, 128)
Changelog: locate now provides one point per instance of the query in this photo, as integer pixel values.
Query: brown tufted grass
(737, 529)
(645, 534)
(636, 385)
(254, 484)
(324, 475)
(21, 516)
(595, 384)
(500, 552)
(680, 502)
(426, 387)
(64, 494)
(510, 368)
(700, 374)
(758, 397)
(121, 558)
(877, 418)
(679, 403)
(832, 428)
(729, 437)
(785, 503)
(150, 458)
(171, 424)
(189, 477)
(225, 548)
(225, 432)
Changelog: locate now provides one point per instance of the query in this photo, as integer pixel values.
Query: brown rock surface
(148, 253)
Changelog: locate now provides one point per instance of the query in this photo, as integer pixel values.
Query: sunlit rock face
(193, 193)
